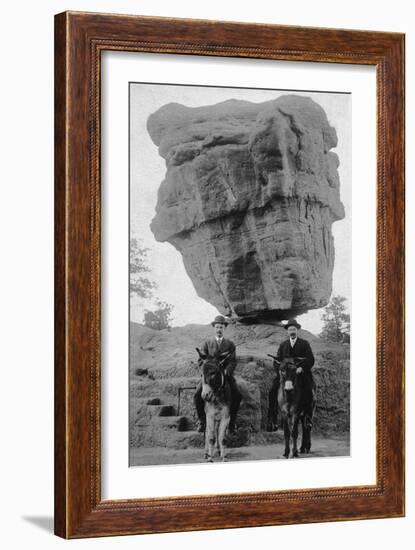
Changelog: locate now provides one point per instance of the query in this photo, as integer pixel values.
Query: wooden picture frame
(79, 40)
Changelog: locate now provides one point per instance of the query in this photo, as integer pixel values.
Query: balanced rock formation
(249, 198)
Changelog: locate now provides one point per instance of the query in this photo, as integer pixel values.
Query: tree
(336, 327)
(140, 284)
(159, 318)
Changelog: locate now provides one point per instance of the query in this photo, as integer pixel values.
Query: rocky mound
(249, 198)
(163, 364)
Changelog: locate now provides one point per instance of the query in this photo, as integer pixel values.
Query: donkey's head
(288, 375)
(213, 369)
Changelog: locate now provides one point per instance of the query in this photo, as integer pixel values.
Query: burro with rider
(217, 347)
(298, 351)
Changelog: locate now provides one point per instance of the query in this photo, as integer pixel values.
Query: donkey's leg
(294, 433)
(217, 443)
(223, 426)
(303, 434)
(287, 435)
(309, 439)
(308, 420)
(206, 444)
(210, 435)
(308, 423)
(206, 437)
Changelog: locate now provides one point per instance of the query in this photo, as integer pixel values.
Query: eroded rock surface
(249, 198)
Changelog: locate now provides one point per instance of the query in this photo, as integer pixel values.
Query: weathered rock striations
(250, 195)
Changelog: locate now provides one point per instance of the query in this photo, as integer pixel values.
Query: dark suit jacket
(211, 348)
(301, 348)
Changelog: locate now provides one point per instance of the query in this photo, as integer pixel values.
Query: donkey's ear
(201, 355)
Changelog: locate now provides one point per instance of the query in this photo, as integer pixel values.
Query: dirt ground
(321, 447)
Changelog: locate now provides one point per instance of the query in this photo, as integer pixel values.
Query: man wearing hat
(300, 349)
(213, 347)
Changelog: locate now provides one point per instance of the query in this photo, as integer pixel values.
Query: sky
(148, 169)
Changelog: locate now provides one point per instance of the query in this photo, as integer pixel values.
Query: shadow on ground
(321, 447)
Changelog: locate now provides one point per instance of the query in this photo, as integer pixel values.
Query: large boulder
(249, 198)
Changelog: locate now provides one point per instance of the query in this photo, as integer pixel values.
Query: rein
(223, 380)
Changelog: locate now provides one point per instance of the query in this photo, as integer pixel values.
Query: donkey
(217, 397)
(296, 404)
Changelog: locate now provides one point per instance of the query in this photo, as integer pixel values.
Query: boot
(201, 426)
(272, 425)
(232, 426)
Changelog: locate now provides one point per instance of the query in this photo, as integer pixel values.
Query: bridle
(294, 380)
(220, 365)
(223, 381)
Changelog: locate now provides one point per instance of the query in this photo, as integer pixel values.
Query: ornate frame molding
(79, 40)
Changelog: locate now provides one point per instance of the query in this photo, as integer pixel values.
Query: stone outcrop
(158, 417)
(249, 198)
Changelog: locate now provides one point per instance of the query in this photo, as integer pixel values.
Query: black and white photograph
(239, 274)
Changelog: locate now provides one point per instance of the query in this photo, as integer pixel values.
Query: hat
(292, 323)
(219, 319)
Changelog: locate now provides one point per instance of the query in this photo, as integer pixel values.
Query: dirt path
(322, 447)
